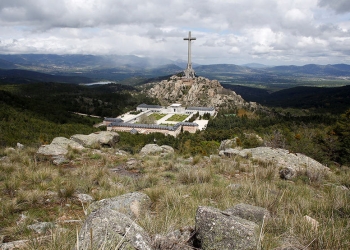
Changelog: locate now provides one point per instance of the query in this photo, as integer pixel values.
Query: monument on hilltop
(189, 72)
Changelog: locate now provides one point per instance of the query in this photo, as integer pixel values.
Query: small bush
(31, 197)
(66, 191)
(155, 193)
(170, 176)
(316, 176)
(11, 186)
(72, 153)
(95, 156)
(196, 159)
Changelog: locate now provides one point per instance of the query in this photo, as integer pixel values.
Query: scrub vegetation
(34, 191)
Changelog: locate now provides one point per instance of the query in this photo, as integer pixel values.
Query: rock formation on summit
(198, 91)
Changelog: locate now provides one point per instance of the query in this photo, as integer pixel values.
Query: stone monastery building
(129, 122)
(176, 108)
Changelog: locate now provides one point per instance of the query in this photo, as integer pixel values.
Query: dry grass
(176, 186)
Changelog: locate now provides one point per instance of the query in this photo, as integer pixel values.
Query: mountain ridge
(133, 70)
(59, 62)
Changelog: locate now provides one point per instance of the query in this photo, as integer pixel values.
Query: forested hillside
(36, 113)
(320, 100)
(18, 76)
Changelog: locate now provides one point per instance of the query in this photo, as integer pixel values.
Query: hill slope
(248, 93)
(335, 99)
(311, 97)
(26, 76)
(4, 64)
(199, 91)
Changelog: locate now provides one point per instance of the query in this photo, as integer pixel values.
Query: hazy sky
(271, 32)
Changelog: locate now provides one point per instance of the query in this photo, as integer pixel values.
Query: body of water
(97, 83)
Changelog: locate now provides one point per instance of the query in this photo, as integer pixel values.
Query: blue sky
(272, 32)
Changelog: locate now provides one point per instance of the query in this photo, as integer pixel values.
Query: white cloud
(272, 31)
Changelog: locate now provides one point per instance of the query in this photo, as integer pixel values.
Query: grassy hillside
(36, 191)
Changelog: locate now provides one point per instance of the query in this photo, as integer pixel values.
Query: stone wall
(191, 129)
(152, 130)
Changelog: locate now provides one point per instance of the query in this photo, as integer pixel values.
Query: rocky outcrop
(229, 143)
(121, 152)
(102, 138)
(288, 242)
(230, 152)
(290, 163)
(314, 224)
(198, 91)
(287, 173)
(167, 149)
(153, 149)
(132, 163)
(176, 240)
(85, 198)
(219, 230)
(106, 228)
(41, 227)
(111, 225)
(249, 212)
(57, 149)
(131, 204)
(19, 244)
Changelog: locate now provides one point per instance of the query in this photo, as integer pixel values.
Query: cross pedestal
(189, 72)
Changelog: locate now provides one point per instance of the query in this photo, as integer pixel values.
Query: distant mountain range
(314, 69)
(222, 68)
(133, 70)
(61, 62)
(255, 66)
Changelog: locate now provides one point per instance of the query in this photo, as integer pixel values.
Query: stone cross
(189, 72)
